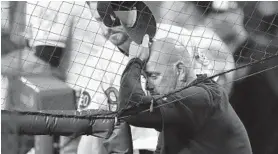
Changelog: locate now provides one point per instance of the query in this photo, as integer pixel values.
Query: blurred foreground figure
(49, 31)
(198, 119)
(115, 22)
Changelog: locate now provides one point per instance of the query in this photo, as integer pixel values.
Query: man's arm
(189, 107)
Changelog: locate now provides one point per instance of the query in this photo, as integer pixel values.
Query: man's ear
(201, 58)
(181, 71)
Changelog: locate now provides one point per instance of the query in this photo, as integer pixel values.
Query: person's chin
(125, 46)
(117, 42)
(118, 39)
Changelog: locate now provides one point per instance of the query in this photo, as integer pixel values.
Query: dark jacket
(196, 120)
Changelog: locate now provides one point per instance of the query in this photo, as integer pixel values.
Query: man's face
(160, 69)
(116, 35)
(168, 67)
(161, 79)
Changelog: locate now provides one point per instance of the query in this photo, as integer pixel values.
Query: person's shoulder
(208, 90)
(197, 95)
(169, 30)
(181, 34)
(215, 92)
(206, 37)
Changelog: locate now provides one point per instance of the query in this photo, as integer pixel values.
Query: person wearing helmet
(121, 23)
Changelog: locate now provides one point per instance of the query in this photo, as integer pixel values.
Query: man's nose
(149, 86)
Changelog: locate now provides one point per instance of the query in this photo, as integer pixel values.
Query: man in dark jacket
(195, 120)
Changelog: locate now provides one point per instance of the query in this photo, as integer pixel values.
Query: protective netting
(234, 37)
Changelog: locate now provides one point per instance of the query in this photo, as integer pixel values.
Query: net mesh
(236, 34)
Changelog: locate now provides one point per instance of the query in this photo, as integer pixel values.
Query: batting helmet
(135, 16)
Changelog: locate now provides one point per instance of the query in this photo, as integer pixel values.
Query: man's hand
(140, 51)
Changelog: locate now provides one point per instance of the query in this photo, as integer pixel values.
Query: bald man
(206, 41)
(195, 120)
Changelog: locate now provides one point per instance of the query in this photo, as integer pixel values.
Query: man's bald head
(169, 66)
(167, 51)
